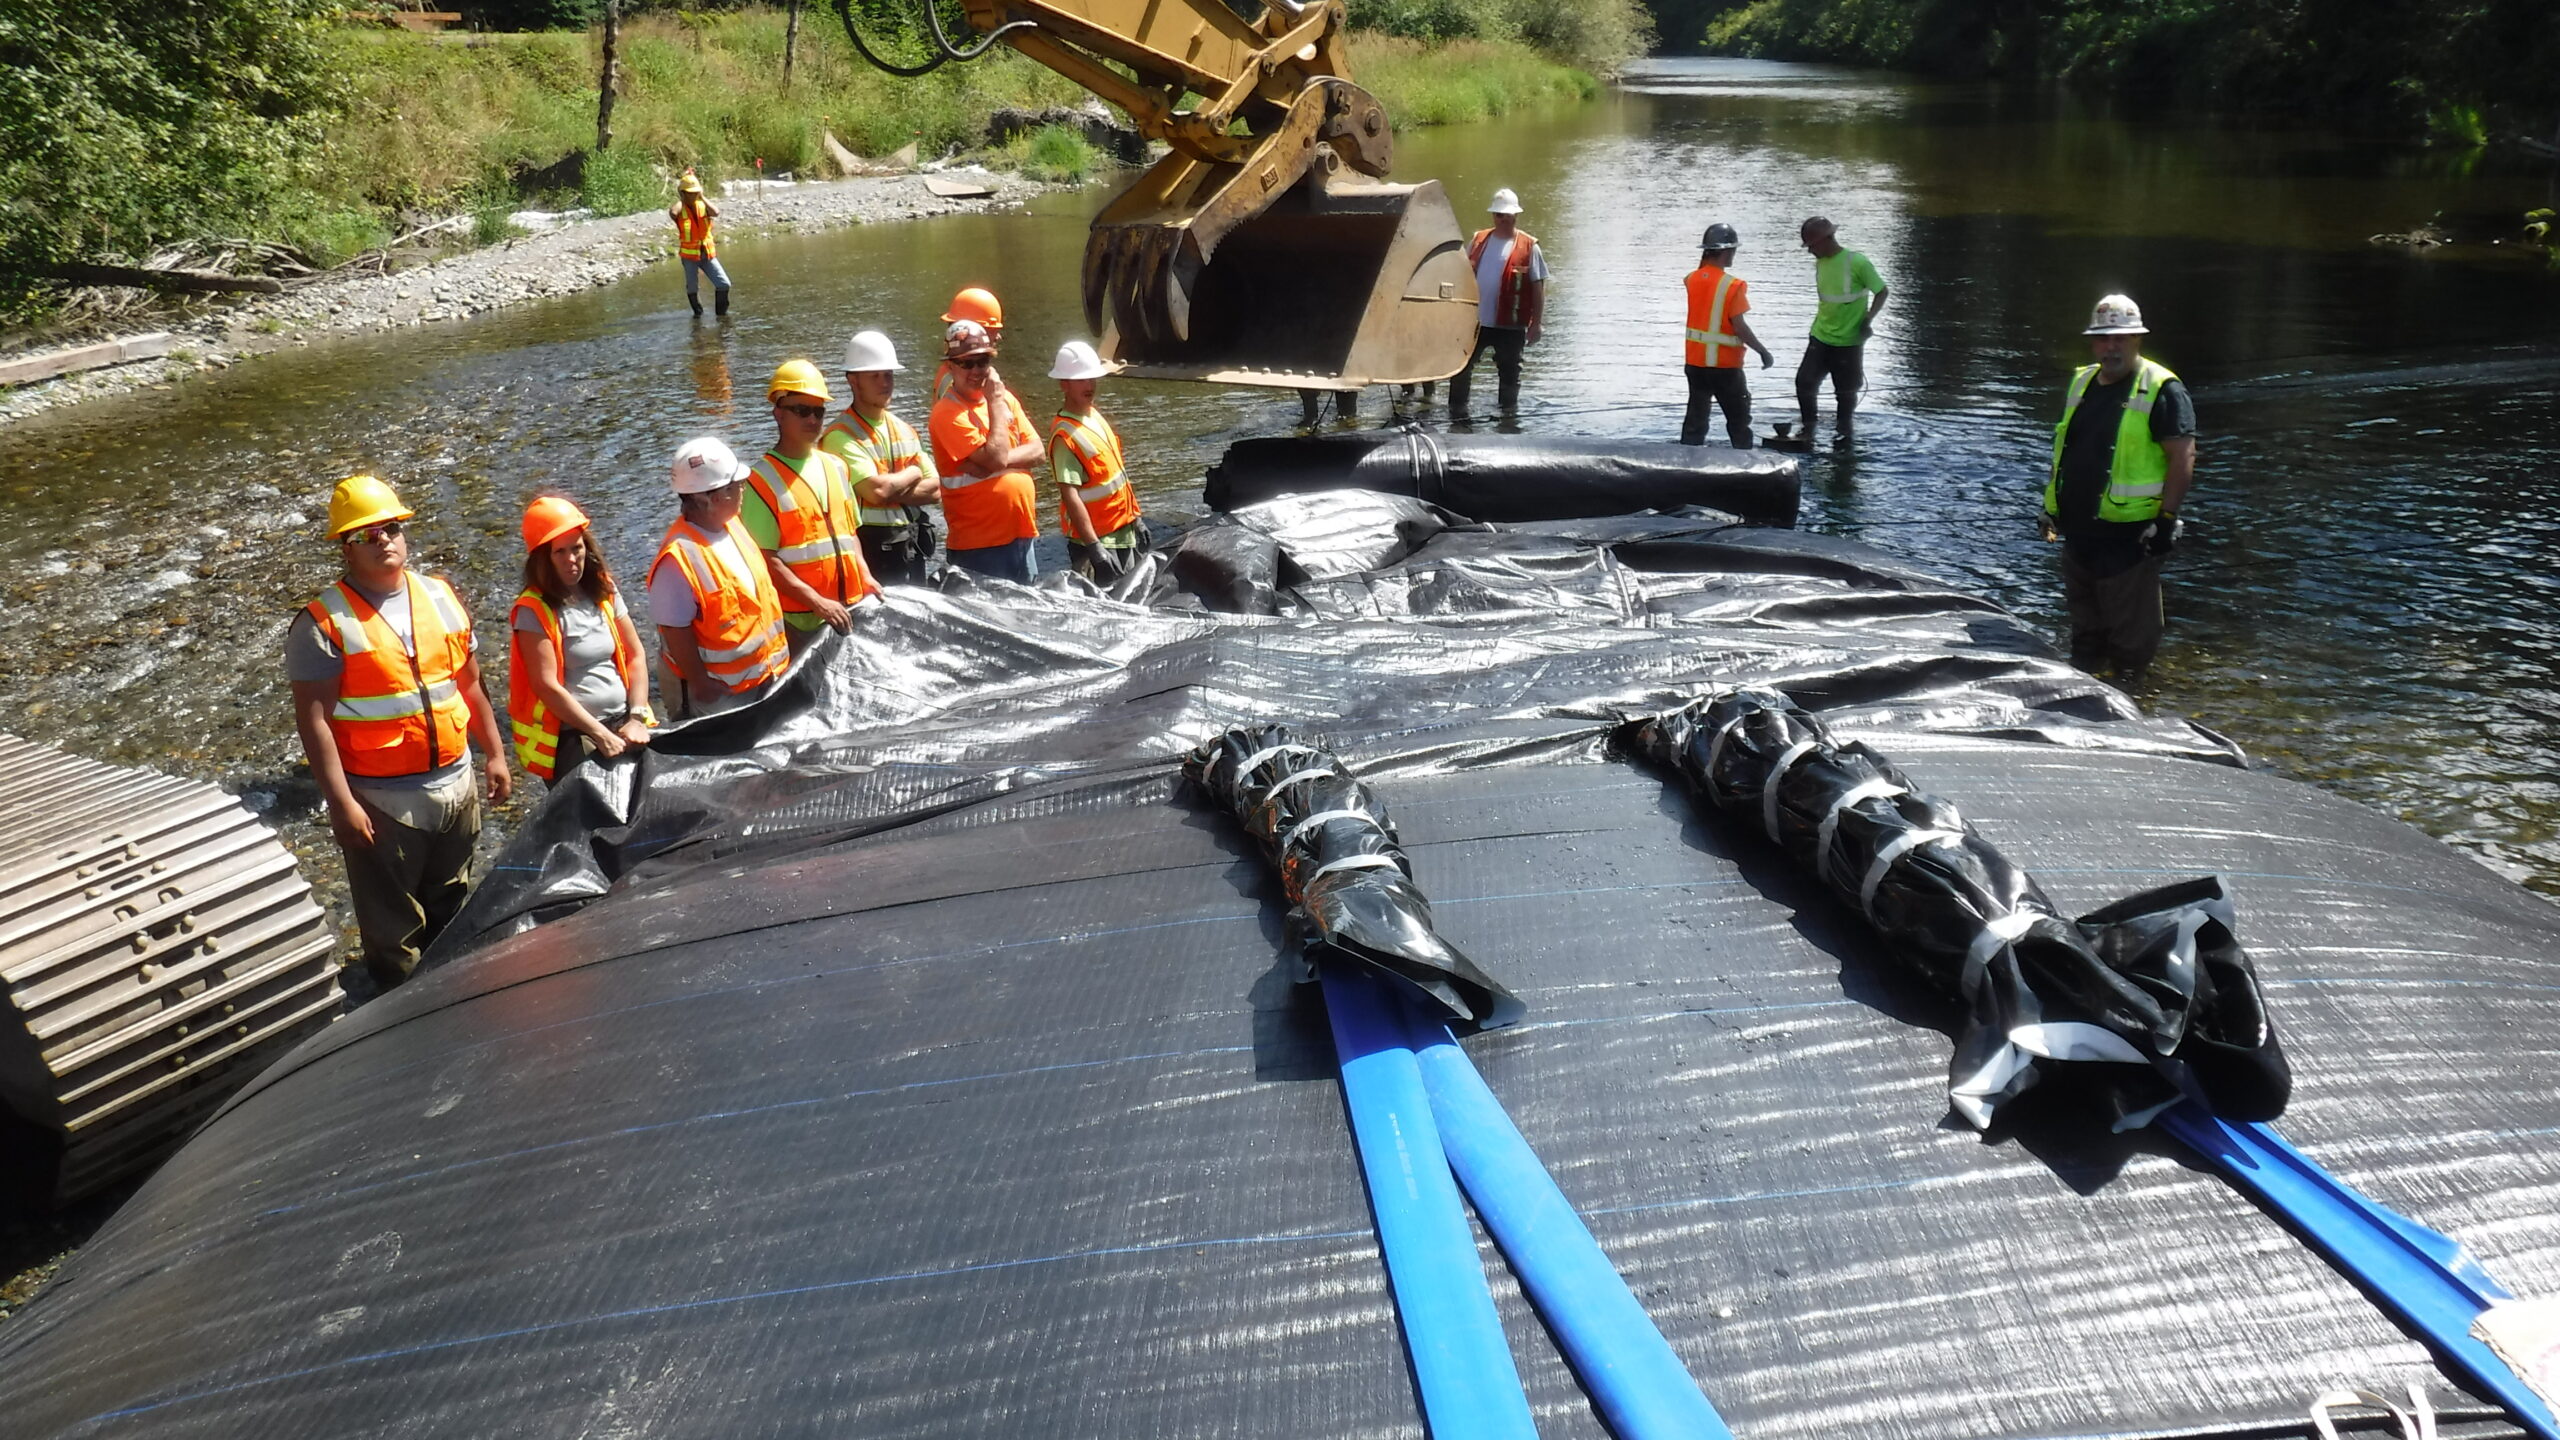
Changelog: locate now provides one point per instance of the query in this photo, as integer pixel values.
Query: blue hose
(1631, 1372)
(1461, 1362)
(2422, 1276)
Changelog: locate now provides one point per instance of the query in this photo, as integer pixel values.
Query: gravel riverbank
(575, 257)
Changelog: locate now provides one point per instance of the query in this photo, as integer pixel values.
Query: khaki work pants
(408, 885)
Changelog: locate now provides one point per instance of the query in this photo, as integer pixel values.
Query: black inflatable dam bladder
(1510, 479)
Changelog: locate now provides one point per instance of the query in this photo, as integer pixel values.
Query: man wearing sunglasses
(388, 702)
(800, 508)
(985, 449)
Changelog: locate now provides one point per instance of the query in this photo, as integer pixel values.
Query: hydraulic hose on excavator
(1266, 248)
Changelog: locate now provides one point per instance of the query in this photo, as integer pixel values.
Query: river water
(2368, 603)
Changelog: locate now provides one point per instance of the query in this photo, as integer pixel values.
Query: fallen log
(195, 282)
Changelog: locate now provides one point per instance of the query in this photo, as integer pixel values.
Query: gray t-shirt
(311, 658)
(591, 677)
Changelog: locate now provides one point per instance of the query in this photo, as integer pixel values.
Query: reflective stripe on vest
(737, 622)
(536, 725)
(1515, 271)
(815, 529)
(882, 447)
(1095, 446)
(399, 709)
(2138, 475)
(693, 234)
(1717, 332)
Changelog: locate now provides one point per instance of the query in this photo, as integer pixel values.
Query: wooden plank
(28, 369)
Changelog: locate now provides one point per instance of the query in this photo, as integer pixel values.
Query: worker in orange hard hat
(693, 213)
(979, 308)
(388, 701)
(800, 508)
(576, 677)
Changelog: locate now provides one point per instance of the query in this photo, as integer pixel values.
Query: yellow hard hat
(690, 184)
(798, 377)
(361, 500)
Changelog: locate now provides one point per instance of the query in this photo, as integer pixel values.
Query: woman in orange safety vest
(576, 679)
(693, 213)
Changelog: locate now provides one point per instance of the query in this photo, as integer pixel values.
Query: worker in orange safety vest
(800, 507)
(693, 213)
(710, 595)
(1097, 506)
(1511, 302)
(1716, 336)
(577, 680)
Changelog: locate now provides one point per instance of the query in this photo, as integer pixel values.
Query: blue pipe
(1630, 1371)
(1461, 1362)
(2424, 1277)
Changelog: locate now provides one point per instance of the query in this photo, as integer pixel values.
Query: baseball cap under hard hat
(2116, 315)
(1505, 202)
(706, 464)
(966, 338)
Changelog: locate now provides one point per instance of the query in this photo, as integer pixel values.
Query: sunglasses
(975, 362)
(805, 412)
(371, 534)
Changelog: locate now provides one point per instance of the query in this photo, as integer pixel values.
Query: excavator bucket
(1341, 281)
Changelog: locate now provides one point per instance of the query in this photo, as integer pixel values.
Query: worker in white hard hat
(388, 700)
(2123, 458)
(894, 478)
(711, 595)
(1097, 507)
(1511, 302)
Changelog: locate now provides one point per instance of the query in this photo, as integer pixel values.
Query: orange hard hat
(549, 518)
(975, 304)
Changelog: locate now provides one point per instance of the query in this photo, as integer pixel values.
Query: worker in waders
(1096, 505)
(1849, 295)
(894, 481)
(577, 679)
(1511, 302)
(2123, 458)
(1716, 337)
(985, 448)
(719, 622)
(388, 702)
(693, 213)
(978, 307)
(800, 509)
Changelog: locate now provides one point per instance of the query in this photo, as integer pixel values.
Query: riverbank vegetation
(134, 133)
(2463, 70)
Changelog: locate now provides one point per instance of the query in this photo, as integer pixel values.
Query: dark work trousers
(1505, 341)
(2116, 615)
(1717, 385)
(407, 886)
(1847, 367)
(892, 554)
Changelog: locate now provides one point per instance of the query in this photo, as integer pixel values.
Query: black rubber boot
(696, 302)
(720, 301)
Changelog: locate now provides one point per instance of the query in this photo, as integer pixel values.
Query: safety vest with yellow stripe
(737, 618)
(399, 709)
(1099, 475)
(2140, 473)
(693, 234)
(1713, 307)
(870, 450)
(817, 535)
(537, 725)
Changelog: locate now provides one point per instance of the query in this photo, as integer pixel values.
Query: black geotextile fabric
(1510, 477)
(935, 1066)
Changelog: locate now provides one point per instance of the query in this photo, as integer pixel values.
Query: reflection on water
(2368, 602)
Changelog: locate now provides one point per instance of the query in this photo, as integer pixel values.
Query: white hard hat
(1505, 202)
(1078, 361)
(2117, 315)
(706, 464)
(870, 350)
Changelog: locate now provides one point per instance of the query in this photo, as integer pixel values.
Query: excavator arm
(1266, 247)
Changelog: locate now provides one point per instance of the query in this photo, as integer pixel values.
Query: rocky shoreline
(577, 257)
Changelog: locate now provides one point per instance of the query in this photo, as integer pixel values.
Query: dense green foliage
(1598, 34)
(2461, 64)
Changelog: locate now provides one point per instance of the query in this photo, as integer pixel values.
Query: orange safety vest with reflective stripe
(1094, 446)
(887, 448)
(1715, 298)
(536, 725)
(817, 529)
(737, 619)
(398, 712)
(1515, 272)
(693, 234)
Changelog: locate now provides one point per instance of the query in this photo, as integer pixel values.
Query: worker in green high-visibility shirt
(1852, 295)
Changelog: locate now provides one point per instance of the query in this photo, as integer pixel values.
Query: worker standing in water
(1717, 335)
(388, 702)
(800, 509)
(1850, 294)
(577, 679)
(980, 308)
(1096, 505)
(893, 476)
(693, 213)
(985, 448)
(719, 621)
(2123, 458)
(1511, 302)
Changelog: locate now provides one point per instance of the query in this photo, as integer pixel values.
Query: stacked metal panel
(157, 947)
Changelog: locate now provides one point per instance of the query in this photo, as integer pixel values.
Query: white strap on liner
(1894, 850)
(1290, 836)
(1860, 793)
(1354, 862)
(1787, 759)
(2418, 1422)
(1293, 777)
(1254, 761)
(1997, 931)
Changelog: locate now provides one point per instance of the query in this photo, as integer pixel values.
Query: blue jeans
(694, 270)
(1009, 561)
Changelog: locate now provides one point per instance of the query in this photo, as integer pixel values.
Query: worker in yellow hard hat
(388, 701)
(800, 508)
(980, 308)
(693, 213)
(577, 679)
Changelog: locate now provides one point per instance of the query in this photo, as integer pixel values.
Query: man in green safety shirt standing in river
(2123, 457)
(1851, 295)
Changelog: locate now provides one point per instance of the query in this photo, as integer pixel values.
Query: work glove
(2161, 535)
(1110, 563)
